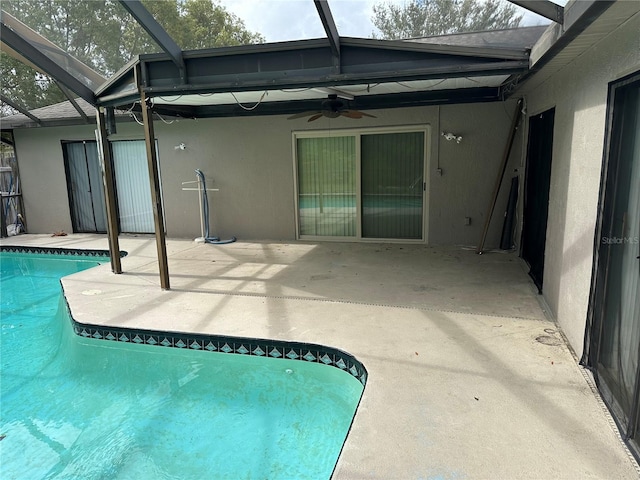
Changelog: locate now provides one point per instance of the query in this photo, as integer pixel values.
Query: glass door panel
(392, 166)
(132, 186)
(327, 186)
(614, 346)
(85, 187)
(620, 341)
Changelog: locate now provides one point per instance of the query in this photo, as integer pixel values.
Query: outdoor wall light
(452, 136)
(182, 146)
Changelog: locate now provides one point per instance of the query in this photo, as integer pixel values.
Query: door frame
(358, 132)
(525, 190)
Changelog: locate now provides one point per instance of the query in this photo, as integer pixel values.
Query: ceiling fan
(331, 107)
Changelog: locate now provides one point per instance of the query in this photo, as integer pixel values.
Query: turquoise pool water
(74, 407)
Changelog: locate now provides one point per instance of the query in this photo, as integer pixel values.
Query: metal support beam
(22, 110)
(20, 42)
(545, 8)
(330, 29)
(159, 34)
(154, 181)
(73, 102)
(104, 154)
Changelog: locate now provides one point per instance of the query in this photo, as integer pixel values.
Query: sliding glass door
(361, 184)
(613, 349)
(85, 187)
(132, 186)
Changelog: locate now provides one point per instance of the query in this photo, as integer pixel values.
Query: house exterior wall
(579, 94)
(250, 160)
(42, 175)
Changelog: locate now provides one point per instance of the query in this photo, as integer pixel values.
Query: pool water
(74, 407)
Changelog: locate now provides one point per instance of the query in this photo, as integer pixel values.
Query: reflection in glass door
(614, 333)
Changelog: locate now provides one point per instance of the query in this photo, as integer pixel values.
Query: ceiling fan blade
(303, 114)
(355, 114)
(315, 117)
(351, 114)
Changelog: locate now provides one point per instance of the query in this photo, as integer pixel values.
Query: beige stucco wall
(579, 94)
(42, 176)
(250, 160)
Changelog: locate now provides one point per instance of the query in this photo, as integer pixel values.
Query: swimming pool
(78, 406)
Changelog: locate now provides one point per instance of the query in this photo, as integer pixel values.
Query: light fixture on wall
(181, 146)
(452, 136)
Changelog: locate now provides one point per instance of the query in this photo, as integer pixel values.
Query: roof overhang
(561, 44)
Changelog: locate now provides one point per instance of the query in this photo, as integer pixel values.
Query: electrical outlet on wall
(467, 220)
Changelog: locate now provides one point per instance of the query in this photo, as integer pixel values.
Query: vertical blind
(327, 186)
(132, 185)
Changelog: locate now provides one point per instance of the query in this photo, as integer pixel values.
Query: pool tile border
(255, 347)
(57, 251)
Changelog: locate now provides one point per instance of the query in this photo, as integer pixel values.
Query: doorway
(85, 187)
(536, 193)
(612, 344)
(135, 209)
(361, 184)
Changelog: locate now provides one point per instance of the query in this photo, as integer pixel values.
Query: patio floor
(467, 376)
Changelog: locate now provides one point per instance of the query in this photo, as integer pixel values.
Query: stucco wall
(250, 161)
(579, 94)
(42, 176)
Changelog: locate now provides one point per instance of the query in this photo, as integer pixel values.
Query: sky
(282, 20)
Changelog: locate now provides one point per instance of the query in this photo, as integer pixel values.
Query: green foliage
(421, 18)
(201, 17)
(25, 86)
(102, 34)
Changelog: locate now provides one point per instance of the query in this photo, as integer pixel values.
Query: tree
(102, 34)
(421, 18)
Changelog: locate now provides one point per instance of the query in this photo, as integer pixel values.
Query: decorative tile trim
(256, 347)
(58, 251)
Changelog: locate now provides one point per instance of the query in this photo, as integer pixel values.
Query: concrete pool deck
(468, 378)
